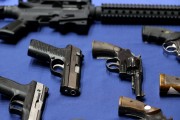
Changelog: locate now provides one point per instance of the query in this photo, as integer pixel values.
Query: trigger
(56, 67)
(16, 107)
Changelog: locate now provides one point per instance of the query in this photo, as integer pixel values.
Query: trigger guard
(16, 102)
(54, 63)
(170, 45)
(110, 63)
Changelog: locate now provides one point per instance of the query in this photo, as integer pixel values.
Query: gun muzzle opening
(70, 92)
(73, 92)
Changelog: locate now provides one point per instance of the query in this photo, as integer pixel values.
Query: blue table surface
(100, 89)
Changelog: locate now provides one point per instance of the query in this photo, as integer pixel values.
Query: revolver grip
(135, 108)
(102, 49)
(155, 35)
(169, 85)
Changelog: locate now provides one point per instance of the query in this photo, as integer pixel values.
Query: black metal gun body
(168, 39)
(70, 15)
(123, 62)
(78, 15)
(68, 59)
(26, 100)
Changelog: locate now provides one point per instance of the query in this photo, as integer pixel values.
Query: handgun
(64, 62)
(168, 39)
(169, 85)
(26, 100)
(121, 61)
(78, 15)
(134, 108)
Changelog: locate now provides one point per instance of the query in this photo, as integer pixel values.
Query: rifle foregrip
(102, 49)
(135, 108)
(169, 85)
(11, 88)
(138, 14)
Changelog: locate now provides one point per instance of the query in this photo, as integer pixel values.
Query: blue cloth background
(100, 89)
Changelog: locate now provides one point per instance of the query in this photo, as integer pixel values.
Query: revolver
(121, 61)
(26, 100)
(169, 85)
(64, 62)
(168, 39)
(134, 108)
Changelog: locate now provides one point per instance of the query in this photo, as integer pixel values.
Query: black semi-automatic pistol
(26, 100)
(68, 59)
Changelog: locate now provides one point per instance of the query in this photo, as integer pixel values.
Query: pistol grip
(11, 88)
(13, 31)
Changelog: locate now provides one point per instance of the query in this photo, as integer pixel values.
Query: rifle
(78, 15)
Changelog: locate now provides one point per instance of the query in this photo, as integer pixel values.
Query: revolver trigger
(56, 67)
(112, 65)
(16, 106)
(170, 48)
